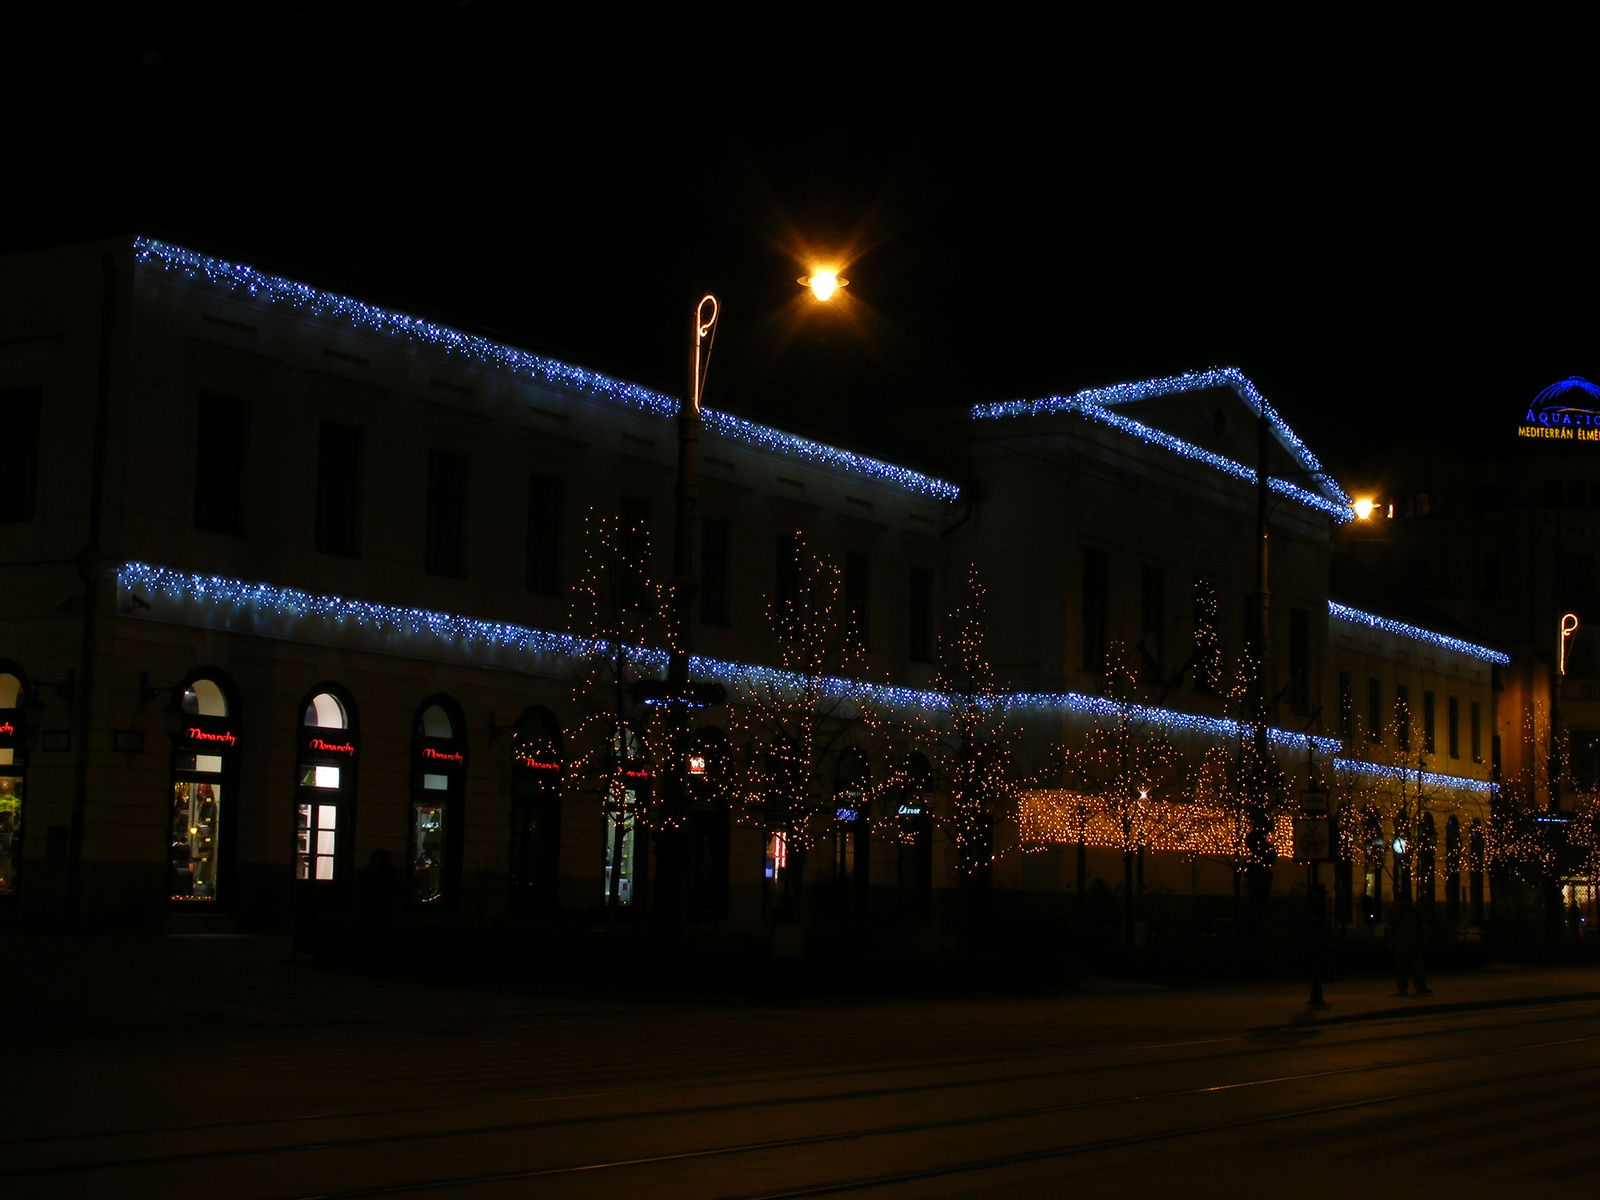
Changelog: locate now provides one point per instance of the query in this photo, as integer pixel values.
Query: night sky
(1391, 230)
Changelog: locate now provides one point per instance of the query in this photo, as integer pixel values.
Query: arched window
(709, 824)
(438, 789)
(915, 851)
(1452, 871)
(1475, 856)
(205, 769)
(537, 765)
(1372, 843)
(625, 794)
(1427, 835)
(852, 837)
(1405, 852)
(784, 801)
(325, 793)
(13, 752)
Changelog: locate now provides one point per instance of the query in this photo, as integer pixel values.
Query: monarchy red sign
(323, 747)
(197, 736)
(433, 755)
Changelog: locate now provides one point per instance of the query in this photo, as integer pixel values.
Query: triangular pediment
(1209, 416)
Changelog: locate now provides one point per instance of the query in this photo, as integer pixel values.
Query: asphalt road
(200, 1067)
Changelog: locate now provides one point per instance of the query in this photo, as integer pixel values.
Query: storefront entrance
(626, 853)
(536, 770)
(325, 790)
(204, 775)
(13, 755)
(438, 783)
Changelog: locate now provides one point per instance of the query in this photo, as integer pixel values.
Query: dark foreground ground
(217, 1067)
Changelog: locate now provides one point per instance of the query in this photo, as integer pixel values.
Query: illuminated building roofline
(1343, 612)
(272, 289)
(1356, 766)
(1096, 404)
(414, 625)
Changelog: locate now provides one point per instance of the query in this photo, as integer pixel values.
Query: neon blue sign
(1559, 412)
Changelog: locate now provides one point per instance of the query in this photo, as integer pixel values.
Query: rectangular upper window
(219, 465)
(1427, 722)
(1475, 732)
(544, 535)
(857, 598)
(1374, 710)
(786, 583)
(1095, 610)
(715, 540)
(1402, 716)
(19, 455)
(1347, 703)
(1453, 726)
(447, 513)
(919, 646)
(1207, 638)
(1152, 623)
(339, 490)
(1300, 661)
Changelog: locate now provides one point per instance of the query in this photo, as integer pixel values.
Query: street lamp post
(676, 694)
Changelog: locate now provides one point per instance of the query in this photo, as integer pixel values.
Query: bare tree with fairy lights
(1128, 765)
(970, 743)
(1524, 838)
(621, 614)
(796, 721)
(1394, 815)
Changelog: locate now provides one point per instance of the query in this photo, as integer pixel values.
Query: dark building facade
(304, 615)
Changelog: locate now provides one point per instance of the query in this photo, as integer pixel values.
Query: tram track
(504, 1128)
(965, 1166)
(1262, 1047)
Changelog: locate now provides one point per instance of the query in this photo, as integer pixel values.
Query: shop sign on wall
(207, 735)
(1565, 411)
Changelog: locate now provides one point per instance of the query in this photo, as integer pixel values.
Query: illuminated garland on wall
(1096, 405)
(1055, 817)
(1371, 770)
(1342, 612)
(273, 289)
(448, 629)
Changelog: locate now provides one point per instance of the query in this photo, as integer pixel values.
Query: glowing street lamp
(824, 283)
(1363, 508)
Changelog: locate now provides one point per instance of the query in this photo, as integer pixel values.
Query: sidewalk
(110, 984)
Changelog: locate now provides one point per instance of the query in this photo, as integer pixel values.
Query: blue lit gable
(243, 280)
(1343, 612)
(1097, 405)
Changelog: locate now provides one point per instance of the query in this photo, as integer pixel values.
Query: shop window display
(199, 794)
(10, 781)
(627, 793)
(324, 792)
(535, 851)
(436, 802)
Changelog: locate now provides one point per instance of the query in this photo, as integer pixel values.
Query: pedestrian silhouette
(1406, 934)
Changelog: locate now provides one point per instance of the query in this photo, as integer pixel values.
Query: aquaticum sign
(1559, 412)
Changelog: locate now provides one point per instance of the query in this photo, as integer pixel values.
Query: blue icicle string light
(1096, 405)
(448, 629)
(453, 629)
(1354, 766)
(273, 289)
(1342, 612)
